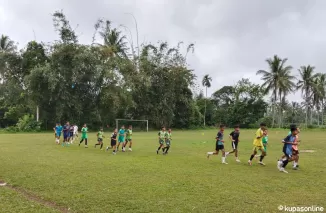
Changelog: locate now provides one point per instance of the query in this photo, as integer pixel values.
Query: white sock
(209, 153)
(237, 158)
(295, 164)
(223, 159)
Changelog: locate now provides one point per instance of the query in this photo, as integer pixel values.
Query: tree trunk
(273, 109)
(280, 113)
(37, 113)
(205, 109)
(322, 113)
(306, 116)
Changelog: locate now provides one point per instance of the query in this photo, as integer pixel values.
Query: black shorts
(113, 142)
(234, 145)
(99, 139)
(219, 147)
(71, 134)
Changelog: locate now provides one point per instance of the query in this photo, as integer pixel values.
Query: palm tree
(318, 94)
(113, 40)
(206, 82)
(6, 45)
(277, 80)
(307, 84)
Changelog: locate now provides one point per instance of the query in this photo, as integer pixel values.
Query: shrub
(27, 123)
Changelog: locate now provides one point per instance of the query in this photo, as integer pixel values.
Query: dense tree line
(97, 83)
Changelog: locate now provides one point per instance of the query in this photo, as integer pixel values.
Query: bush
(27, 123)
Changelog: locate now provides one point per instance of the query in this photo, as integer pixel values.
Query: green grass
(90, 180)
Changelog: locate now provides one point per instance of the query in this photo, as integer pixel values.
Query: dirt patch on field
(308, 151)
(35, 198)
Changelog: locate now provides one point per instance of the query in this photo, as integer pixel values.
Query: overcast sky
(232, 37)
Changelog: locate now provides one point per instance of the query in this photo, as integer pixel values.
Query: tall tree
(276, 78)
(206, 82)
(307, 84)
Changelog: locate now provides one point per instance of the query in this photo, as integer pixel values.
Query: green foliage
(27, 123)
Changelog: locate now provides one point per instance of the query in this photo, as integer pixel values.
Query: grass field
(90, 180)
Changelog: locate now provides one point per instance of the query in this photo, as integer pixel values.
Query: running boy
(84, 137)
(75, 131)
(71, 134)
(219, 144)
(258, 145)
(121, 139)
(168, 139)
(265, 142)
(161, 138)
(289, 141)
(100, 136)
(66, 131)
(57, 131)
(113, 141)
(128, 138)
(295, 151)
(234, 136)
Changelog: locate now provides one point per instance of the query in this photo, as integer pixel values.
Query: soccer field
(49, 178)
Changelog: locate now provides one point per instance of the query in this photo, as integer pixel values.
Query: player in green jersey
(100, 136)
(121, 138)
(84, 137)
(168, 139)
(128, 138)
(161, 138)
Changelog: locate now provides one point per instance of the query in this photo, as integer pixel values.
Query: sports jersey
(288, 146)
(66, 129)
(58, 130)
(75, 129)
(295, 147)
(122, 133)
(100, 134)
(258, 141)
(129, 134)
(219, 138)
(235, 136)
(84, 132)
(168, 136)
(161, 135)
(265, 140)
(113, 136)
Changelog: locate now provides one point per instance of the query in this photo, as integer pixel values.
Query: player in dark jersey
(234, 136)
(71, 134)
(219, 145)
(113, 142)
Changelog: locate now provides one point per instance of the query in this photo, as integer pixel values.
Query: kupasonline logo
(301, 208)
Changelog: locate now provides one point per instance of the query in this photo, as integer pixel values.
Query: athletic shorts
(121, 140)
(295, 152)
(260, 148)
(65, 135)
(100, 139)
(287, 152)
(128, 139)
(234, 144)
(218, 147)
(83, 137)
(58, 134)
(71, 134)
(113, 142)
(168, 142)
(160, 141)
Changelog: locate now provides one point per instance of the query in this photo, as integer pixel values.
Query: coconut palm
(6, 45)
(307, 84)
(318, 94)
(278, 80)
(113, 40)
(206, 82)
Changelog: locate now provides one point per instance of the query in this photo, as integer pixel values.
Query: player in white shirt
(75, 131)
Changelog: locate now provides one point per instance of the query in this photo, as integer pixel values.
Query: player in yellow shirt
(258, 145)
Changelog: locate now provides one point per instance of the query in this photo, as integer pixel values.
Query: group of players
(290, 147)
(70, 133)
